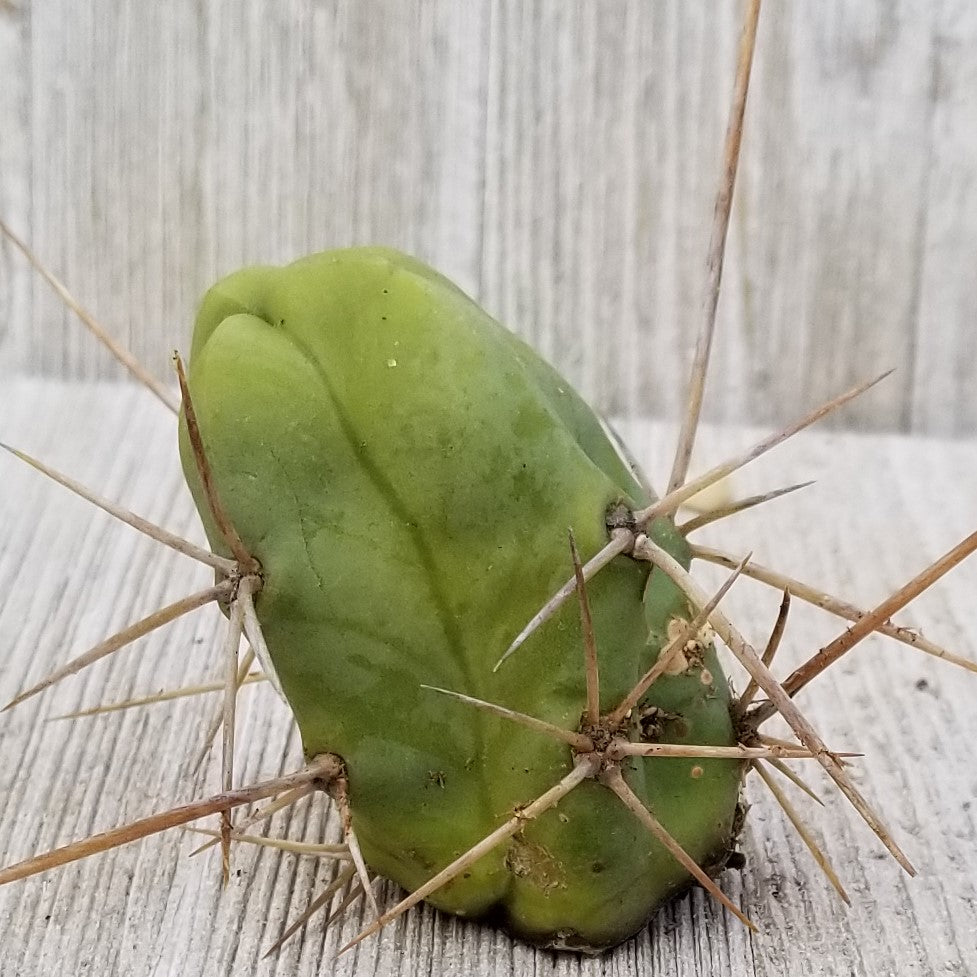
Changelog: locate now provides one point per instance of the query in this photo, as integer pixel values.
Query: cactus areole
(406, 470)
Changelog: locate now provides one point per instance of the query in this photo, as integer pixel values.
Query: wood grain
(883, 507)
(556, 157)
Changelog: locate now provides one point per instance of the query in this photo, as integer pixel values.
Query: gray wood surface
(882, 508)
(556, 157)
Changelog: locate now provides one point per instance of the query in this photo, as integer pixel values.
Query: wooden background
(556, 157)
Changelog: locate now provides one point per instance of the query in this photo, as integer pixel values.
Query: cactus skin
(405, 470)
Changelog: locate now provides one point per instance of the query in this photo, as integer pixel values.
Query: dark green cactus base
(405, 470)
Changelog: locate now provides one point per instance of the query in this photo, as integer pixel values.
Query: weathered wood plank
(15, 175)
(607, 134)
(946, 361)
(882, 508)
(557, 158)
(174, 143)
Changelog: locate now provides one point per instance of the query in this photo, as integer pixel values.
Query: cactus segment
(405, 471)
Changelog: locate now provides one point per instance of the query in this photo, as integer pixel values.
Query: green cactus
(405, 470)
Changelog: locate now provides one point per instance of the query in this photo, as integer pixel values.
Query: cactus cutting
(484, 619)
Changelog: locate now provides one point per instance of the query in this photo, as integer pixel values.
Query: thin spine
(621, 541)
(589, 640)
(277, 804)
(124, 637)
(579, 741)
(805, 835)
(831, 604)
(621, 749)
(119, 352)
(670, 651)
(748, 658)
(321, 900)
(585, 768)
(742, 505)
(613, 779)
(317, 849)
(795, 779)
(339, 791)
(354, 893)
(138, 523)
(841, 645)
(323, 769)
(767, 740)
(149, 700)
(241, 673)
(256, 638)
(361, 871)
(773, 643)
(672, 500)
(717, 246)
(245, 561)
(229, 654)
